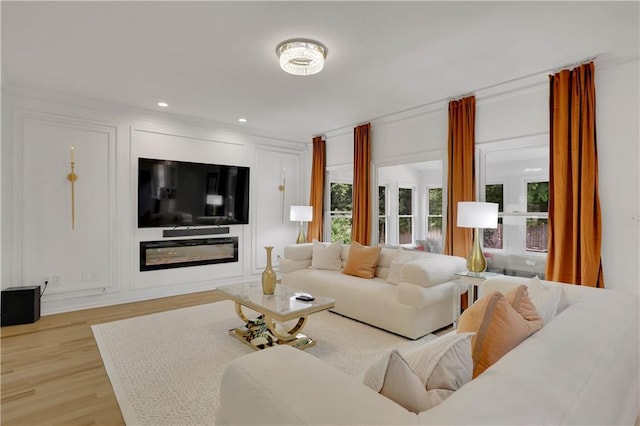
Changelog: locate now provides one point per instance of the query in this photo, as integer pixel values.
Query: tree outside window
(493, 238)
(434, 216)
(382, 215)
(537, 227)
(340, 211)
(405, 215)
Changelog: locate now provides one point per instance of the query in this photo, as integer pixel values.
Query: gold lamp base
(476, 262)
(301, 237)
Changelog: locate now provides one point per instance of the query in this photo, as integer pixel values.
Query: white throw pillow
(326, 256)
(545, 299)
(392, 377)
(442, 366)
(401, 257)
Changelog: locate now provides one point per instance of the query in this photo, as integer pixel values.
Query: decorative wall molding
(63, 277)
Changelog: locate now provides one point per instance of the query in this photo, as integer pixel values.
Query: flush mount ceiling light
(301, 56)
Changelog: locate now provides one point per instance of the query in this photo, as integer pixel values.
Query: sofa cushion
(501, 322)
(401, 257)
(326, 256)
(384, 262)
(298, 251)
(440, 367)
(362, 261)
(429, 270)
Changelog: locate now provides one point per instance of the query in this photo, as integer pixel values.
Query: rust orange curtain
(316, 199)
(461, 173)
(575, 223)
(361, 217)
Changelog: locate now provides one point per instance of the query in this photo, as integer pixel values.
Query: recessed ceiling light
(163, 104)
(533, 169)
(242, 120)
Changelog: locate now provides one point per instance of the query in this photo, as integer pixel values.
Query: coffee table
(274, 311)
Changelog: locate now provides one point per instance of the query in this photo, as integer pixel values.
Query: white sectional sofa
(581, 368)
(420, 303)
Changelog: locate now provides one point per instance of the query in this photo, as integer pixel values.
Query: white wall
(97, 263)
(617, 110)
(518, 109)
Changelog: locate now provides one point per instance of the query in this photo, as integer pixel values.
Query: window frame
(511, 219)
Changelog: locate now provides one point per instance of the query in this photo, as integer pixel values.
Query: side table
(471, 281)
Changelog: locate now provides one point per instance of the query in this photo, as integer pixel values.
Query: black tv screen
(178, 193)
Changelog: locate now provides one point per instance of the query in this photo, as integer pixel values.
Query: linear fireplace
(182, 253)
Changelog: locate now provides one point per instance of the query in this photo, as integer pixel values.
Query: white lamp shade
(301, 213)
(474, 214)
(214, 200)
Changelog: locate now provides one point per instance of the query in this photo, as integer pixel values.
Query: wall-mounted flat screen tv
(178, 193)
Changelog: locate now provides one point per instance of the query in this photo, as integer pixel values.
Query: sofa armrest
(288, 265)
(283, 385)
(417, 296)
(432, 270)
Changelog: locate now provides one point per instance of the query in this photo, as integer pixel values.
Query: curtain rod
(573, 65)
(491, 86)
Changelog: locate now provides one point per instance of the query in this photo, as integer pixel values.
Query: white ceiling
(217, 61)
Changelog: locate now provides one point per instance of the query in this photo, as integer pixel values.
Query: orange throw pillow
(501, 322)
(362, 261)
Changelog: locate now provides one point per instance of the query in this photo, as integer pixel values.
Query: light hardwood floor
(52, 372)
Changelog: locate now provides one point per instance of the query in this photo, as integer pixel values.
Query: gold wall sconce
(73, 177)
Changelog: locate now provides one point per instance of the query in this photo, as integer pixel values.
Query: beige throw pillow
(362, 261)
(326, 256)
(440, 367)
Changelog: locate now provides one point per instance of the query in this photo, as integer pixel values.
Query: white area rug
(165, 368)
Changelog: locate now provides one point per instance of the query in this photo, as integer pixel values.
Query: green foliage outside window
(494, 194)
(435, 201)
(434, 223)
(405, 202)
(341, 202)
(538, 196)
(341, 229)
(341, 197)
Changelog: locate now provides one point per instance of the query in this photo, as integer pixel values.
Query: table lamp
(476, 215)
(301, 214)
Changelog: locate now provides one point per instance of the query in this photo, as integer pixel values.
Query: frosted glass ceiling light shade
(301, 56)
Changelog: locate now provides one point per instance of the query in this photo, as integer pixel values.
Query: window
(492, 238)
(537, 227)
(405, 215)
(382, 215)
(434, 214)
(340, 211)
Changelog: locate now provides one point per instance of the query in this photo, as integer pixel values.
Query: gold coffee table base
(291, 337)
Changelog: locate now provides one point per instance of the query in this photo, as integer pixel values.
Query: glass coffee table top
(282, 305)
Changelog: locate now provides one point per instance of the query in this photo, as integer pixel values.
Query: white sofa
(580, 368)
(419, 304)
